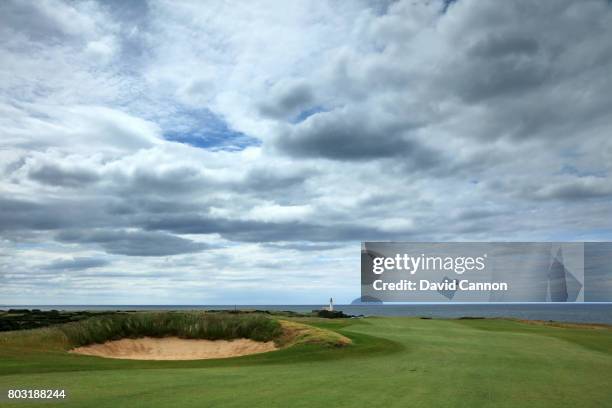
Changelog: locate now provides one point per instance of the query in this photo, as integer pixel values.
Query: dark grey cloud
(304, 246)
(480, 213)
(500, 78)
(268, 179)
(354, 135)
(133, 243)
(147, 181)
(574, 190)
(18, 214)
(259, 231)
(144, 205)
(57, 176)
(288, 101)
(497, 45)
(77, 264)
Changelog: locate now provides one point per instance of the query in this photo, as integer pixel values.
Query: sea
(561, 312)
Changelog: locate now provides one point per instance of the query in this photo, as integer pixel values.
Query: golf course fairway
(392, 362)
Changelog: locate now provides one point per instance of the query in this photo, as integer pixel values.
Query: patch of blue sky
(228, 140)
(205, 130)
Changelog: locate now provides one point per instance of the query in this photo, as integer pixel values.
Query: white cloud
(280, 213)
(73, 128)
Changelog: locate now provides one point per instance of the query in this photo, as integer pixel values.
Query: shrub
(331, 314)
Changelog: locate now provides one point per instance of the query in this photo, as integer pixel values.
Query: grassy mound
(187, 325)
(298, 333)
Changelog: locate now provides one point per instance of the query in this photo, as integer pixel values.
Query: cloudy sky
(169, 152)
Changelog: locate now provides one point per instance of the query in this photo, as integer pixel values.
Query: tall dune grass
(188, 325)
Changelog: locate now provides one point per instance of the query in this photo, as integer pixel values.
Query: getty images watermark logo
(413, 264)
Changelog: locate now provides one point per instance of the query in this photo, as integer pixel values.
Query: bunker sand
(174, 348)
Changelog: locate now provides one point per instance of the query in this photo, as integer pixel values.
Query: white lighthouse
(331, 305)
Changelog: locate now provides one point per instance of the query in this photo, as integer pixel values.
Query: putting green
(393, 362)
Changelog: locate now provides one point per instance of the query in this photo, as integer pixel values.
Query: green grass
(392, 362)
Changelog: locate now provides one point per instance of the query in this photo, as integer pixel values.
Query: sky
(166, 152)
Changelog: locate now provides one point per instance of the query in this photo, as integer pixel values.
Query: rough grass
(48, 338)
(298, 333)
(187, 325)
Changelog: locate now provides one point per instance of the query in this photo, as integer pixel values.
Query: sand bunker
(173, 348)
